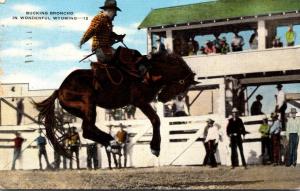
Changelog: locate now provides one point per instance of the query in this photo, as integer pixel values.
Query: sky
(43, 52)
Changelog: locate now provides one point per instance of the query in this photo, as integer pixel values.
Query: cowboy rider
(101, 30)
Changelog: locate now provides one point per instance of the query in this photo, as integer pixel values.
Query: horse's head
(177, 76)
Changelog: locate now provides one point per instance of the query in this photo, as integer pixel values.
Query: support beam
(248, 98)
(169, 40)
(271, 80)
(294, 103)
(262, 33)
(195, 98)
(292, 96)
(12, 106)
(149, 41)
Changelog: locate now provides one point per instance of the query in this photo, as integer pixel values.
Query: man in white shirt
(212, 140)
(292, 135)
(281, 104)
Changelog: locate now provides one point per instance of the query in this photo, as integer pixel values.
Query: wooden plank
(294, 103)
(271, 80)
(292, 96)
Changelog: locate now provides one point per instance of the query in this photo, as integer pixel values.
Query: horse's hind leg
(90, 131)
(154, 119)
(81, 105)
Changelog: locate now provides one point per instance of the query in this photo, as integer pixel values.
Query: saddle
(128, 60)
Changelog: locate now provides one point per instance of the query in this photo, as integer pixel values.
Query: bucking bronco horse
(78, 96)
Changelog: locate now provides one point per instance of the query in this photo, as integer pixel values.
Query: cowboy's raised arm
(93, 28)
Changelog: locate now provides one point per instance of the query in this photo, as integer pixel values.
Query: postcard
(138, 94)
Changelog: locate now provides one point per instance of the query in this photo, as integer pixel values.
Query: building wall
(13, 93)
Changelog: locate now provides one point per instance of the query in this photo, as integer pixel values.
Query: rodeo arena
(236, 126)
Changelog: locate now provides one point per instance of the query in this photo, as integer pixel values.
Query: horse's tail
(46, 109)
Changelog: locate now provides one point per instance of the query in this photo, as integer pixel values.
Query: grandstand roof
(216, 10)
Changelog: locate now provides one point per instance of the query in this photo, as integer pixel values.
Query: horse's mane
(169, 59)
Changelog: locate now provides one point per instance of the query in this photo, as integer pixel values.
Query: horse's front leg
(153, 117)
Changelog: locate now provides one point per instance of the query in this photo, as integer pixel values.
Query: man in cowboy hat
(211, 142)
(281, 104)
(292, 135)
(256, 106)
(101, 30)
(275, 129)
(235, 129)
(18, 141)
(265, 140)
(41, 143)
(122, 139)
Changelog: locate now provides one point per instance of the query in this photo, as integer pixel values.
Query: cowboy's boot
(96, 84)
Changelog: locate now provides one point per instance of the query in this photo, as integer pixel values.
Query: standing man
(205, 132)
(41, 143)
(92, 154)
(292, 135)
(20, 111)
(290, 36)
(212, 140)
(160, 46)
(280, 104)
(275, 129)
(253, 41)
(237, 42)
(257, 106)
(17, 149)
(122, 138)
(265, 140)
(74, 144)
(109, 152)
(235, 130)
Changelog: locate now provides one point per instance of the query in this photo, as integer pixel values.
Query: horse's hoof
(155, 152)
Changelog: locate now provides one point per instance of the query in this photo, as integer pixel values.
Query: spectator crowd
(219, 45)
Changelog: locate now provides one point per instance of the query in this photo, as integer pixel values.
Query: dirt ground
(171, 177)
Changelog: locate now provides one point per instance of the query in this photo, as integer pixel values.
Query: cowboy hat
(209, 120)
(235, 110)
(293, 110)
(110, 4)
